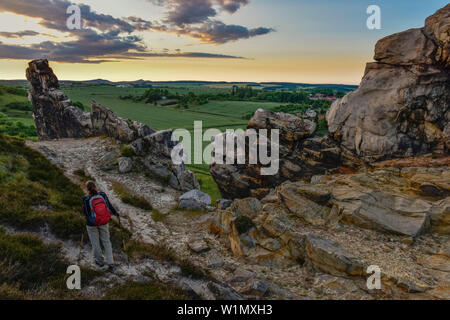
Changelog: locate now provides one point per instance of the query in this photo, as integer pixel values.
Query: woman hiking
(98, 210)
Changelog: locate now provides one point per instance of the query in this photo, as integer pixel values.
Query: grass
(157, 216)
(81, 174)
(138, 251)
(29, 181)
(34, 193)
(207, 183)
(27, 262)
(127, 151)
(129, 198)
(145, 291)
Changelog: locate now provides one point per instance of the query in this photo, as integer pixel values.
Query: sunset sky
(313, 41)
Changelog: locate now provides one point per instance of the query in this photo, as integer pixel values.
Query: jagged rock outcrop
(54, 115)
(300, 156)
(402, 105)
(55, 118)
(400, 110)
(105, 122)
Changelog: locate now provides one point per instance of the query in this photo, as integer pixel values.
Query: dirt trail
(74, 154)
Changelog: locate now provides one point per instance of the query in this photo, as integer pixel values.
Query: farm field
(215, 114)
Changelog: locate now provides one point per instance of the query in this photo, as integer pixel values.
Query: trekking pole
(123, 239)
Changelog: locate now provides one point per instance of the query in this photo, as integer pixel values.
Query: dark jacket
(87, 207)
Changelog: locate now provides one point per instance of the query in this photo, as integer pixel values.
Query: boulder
(125, 164)
(329, 257)
(401, 106)
(194, 200)
(300, 156)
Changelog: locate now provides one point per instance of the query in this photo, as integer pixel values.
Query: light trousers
(97, 234)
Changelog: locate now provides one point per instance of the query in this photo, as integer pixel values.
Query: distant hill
(148, 83)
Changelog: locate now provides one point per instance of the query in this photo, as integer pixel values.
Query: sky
(309, 41)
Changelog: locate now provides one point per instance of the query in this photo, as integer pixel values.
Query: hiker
(98, 210)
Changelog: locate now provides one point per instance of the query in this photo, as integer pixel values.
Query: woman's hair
(91, 188)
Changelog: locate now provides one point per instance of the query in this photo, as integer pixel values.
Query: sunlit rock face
(402, 106)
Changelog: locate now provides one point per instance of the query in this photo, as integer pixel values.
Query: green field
(215, 114)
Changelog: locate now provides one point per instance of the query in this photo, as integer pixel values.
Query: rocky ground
(412, 267)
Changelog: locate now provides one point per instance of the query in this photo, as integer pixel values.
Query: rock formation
(54, 115)
(400, 110)
(335, 208)
(301, 156)
(55, 118)
(402, 105)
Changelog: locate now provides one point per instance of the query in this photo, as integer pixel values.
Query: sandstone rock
(440, 216)
(198, 246)
(301, 156)
(223, 291)
(105, 122)
(400, 108)
(54, 115)
(56, 118)
(292, 129)
(364, 200)
(331, 258)
(109, 160)
(125, 164)
(223, 225)
(194, 200)
(299, 203)
(256, 288)
(436, 27)
(223, 204)
(248, 207)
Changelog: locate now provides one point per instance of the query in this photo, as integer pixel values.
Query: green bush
(127, 151)
(81, 106)
(243, 224)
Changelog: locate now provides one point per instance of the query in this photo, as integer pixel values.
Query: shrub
(27, 262)
(243, 224)
(81, 106)
(127, 151)
(8, 292)
(188, 269)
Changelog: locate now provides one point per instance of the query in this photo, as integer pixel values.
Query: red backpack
(100, 214)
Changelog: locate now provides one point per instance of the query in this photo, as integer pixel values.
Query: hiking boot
(101, 267)
(111, 268)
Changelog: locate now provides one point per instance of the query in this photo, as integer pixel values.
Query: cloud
(217, 32)
(195, 19)
(19, 34)
(179, 54)
(105, 37)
